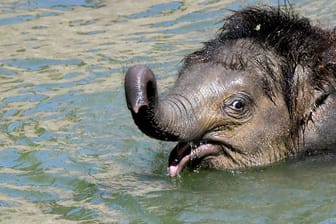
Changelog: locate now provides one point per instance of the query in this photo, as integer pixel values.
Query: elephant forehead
(207, 77)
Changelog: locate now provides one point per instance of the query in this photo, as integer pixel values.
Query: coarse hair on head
(306, 54)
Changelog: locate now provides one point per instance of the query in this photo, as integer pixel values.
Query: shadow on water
(69, 151)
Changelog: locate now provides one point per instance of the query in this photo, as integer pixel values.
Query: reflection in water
(69, 151)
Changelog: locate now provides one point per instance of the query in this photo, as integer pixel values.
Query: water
(69, 151)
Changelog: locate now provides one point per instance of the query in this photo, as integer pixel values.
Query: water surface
(69, 151)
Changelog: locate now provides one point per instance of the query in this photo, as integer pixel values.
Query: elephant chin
(190, 154)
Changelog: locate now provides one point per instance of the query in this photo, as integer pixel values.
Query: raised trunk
(153, 117)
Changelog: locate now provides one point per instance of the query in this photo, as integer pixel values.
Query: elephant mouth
(189, 154)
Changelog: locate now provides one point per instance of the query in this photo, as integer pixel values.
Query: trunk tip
(140, 88)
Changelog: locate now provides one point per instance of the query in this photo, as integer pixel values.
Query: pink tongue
(178, 158)
(174, 170)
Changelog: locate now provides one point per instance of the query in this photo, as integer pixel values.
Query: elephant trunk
(154, 118)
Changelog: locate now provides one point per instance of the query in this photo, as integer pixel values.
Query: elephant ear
(302, 95)
(310, 88)
(331, 67)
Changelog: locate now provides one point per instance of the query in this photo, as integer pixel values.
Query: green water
(69, 151)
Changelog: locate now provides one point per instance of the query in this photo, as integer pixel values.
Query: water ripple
(69, 150)
(35, 64)
(158, 9)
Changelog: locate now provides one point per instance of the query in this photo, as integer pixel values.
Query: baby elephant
(262, 91)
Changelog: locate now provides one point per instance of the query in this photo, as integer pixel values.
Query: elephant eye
(237, 105)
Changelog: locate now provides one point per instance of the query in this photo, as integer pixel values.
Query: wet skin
(236, 107)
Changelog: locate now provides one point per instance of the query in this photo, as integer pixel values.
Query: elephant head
(244, 99)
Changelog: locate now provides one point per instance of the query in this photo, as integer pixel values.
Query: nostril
(151, 91)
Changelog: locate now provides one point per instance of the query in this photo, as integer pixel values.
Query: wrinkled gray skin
(221, 116)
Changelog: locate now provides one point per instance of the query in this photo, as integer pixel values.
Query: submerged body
(263, 90)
